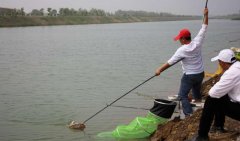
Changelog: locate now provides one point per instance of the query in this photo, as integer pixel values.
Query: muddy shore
(181, 130)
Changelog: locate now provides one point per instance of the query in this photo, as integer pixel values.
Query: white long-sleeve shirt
(229, 84)
(190, 55)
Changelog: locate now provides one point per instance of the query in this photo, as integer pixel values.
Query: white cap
(225, 55)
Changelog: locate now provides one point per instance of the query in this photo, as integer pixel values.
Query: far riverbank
(19, 21)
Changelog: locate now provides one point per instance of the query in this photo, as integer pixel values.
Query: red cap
(183, 33)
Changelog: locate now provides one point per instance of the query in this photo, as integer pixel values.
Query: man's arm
(177, 57)
(162, 68)
(223, 86)
(201, 34)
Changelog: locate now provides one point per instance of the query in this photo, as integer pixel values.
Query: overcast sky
(183, 7)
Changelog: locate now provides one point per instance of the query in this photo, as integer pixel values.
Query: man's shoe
(197, 103)
(199, 138)
(217, 129)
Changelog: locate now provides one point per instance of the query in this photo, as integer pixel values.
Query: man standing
(224, 96)
(191, 59)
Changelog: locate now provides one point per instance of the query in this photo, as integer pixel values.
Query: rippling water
(54, 74)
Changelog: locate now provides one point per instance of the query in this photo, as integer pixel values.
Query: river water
(54, 74)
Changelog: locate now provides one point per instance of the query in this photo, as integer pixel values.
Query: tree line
(94, 12)
(80, 12)
(12, 12)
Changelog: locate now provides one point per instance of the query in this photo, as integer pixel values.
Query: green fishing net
(140, 127)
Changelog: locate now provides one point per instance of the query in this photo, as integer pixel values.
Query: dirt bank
(180, 130)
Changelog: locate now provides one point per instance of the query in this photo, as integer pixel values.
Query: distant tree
(64, 12)
(83, 12)
(97, 12)
(101, 12)
(93, 12)
(61, 12)
(54, 12)
(14, 12)
(140, 13)
(42, 11)
(22, 12)
(49, 11)
(36, 12)
(19, 12)
(73, 12)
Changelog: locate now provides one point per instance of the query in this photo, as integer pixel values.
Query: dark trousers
(218, 107)
(188, 82)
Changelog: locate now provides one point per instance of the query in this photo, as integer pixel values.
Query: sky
(180, 7)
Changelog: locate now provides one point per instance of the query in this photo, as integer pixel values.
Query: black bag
(163, 108)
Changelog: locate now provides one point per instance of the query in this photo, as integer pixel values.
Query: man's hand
(205, 12)
(158, 71)
(205, 19)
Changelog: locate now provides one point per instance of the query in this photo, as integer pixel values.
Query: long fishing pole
(118, 99)
(130, 107)
(206, 4)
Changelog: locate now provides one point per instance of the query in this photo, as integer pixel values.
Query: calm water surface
(54, 74)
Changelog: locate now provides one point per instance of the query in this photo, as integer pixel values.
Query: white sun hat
(225, 55)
